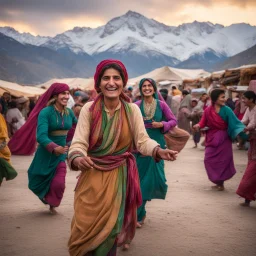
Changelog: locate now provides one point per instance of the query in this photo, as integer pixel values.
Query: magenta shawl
(23, 141)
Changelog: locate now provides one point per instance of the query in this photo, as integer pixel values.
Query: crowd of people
(115, 138)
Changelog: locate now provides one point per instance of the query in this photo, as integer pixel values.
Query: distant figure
(195, 116)
(230, 103)
(170, 101)
(240, 108)
(247, 187)
(175, 91)
(4, 101)
(204, 101)
(23, 106)
(14, 117)
(129, 93)
(184, 110)
(76, 109)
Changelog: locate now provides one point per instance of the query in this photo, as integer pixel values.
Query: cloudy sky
(50, 17)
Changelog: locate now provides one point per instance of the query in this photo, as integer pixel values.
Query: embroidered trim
(51, 146)
(59, 133)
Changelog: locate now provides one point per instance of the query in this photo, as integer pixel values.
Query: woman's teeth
(111, 89)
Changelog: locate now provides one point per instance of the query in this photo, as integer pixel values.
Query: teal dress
(151, 173)
(52, 130)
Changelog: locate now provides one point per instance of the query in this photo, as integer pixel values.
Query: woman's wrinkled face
(62, 98)
(221, 100)
(111, 84)
(147, 89)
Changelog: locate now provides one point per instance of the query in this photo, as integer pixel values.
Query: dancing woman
(108, 192)
(158, 119)
(47, 171)
(223, 128)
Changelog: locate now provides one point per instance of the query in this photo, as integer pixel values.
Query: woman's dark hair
(164, 90)
(164, 93)
(215, 94)
(174, 87)
(78, 105)
(185, 92)
(114, 66)
(250, 95)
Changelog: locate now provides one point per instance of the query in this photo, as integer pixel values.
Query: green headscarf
(155, 95)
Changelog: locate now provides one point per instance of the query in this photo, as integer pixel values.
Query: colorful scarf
(23, 141)
(103, 140)
(214, 119)
(235, 126)
(225, 120)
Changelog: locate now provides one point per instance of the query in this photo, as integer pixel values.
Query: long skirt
(99, 206)
(6, 171)
(57, 187)
(247, 186)
(219, 163)
(152, 181)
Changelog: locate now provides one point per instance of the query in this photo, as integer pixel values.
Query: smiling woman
(108, 193)
(47, 171)
(158, 119)
(47, 125)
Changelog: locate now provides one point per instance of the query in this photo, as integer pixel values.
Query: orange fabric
(97, 203)
(5, 152)
(176, 92)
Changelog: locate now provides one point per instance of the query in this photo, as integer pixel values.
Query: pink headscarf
(100, 67)
(23, 141)
(252, 86)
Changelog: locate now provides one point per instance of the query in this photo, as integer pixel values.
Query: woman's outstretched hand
(167, 154)
(83, 163)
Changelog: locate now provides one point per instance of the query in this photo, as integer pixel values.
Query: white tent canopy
(17, 90)
(172, 75)
(73, 83)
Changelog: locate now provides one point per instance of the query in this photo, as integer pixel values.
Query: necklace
(61, 113)
(149, 109)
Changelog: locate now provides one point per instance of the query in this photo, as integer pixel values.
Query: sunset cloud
(52, 17)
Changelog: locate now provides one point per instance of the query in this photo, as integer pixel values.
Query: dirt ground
(193, 220)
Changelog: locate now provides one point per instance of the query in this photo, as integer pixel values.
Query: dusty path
(193, 220)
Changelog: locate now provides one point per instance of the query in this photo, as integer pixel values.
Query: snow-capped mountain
(144, 44)
(24, 38)
(136, 33)
(180, 42)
